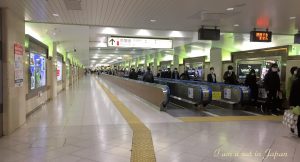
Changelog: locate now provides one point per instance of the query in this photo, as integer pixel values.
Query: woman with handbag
(295, 98)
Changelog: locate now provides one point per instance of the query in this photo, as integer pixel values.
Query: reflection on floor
(83, 125)
(209, 110)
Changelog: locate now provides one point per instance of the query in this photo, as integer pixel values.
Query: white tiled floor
(82, 125)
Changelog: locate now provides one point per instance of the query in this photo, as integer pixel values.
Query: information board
(127, 42)
(19, 73)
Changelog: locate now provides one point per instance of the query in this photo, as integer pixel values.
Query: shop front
(195, 67)
(261, 61)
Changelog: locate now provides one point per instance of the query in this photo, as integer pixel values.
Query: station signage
(260, 36)
(127, 42)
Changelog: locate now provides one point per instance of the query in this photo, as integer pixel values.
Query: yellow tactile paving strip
(231, 118)
(142, 144)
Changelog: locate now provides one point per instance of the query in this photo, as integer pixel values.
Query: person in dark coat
(251, 82)
(168, 73)
(211, 77)
(139, 72)
(148, 76)
(158, 75)
(185, 75)
(175, 74)
(295, 97)
(133, 74)
(272, 86)
(229, 76)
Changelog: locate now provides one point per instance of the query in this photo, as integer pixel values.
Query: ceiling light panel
(143, 32)
(176, 34)
(109, 30)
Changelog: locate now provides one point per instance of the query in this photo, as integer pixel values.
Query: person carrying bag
(291, 117)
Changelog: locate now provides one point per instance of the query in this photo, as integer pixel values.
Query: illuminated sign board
(260, 36)
(126, 42)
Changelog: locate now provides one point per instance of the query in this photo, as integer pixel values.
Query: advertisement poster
(19, 74)
(244, 70)
(37, 71)
(59, 71)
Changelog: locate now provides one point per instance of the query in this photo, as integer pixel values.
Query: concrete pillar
(53, 78)
(145, 63)
(64, 76)
(176, 61)
(216, 62)
(14, 100)
(155, 70)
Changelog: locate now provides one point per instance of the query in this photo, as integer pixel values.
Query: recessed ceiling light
(55, 14)
(143, 32)
(177, 34)
(153, 20)
(236, 25)
(230, 9)
(292, 17)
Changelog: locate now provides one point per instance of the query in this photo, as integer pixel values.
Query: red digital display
(261, 36)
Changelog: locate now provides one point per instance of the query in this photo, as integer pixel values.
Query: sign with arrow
(127, 42)
(111, 41)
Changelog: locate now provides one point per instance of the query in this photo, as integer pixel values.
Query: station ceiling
(232, 16)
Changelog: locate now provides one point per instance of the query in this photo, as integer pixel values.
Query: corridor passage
(84, 125)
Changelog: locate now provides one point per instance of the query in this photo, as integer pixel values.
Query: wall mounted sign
(19, 73)
(260, 36)
(126, 42)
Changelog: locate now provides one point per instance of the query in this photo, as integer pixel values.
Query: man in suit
(229, 76)
(211, 77)
(175, 74)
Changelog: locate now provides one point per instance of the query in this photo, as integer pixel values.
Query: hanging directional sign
(126, 42)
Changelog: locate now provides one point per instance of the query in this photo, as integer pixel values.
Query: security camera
(74, 49)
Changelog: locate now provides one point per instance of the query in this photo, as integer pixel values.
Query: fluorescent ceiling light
(292, 17)
(175, 34)
(109, 31)
(236, 25)
(153, 20)
(143, 32)
(230, 9)
(119, 58)
(55, 14)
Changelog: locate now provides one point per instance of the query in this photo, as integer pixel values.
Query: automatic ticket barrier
(186, 94)
(224, 95)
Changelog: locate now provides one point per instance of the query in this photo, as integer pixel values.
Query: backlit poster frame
(37, 53)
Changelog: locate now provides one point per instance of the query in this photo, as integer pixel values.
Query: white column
(155, 64)
(53, 71)
(175, 61)
(216, 62)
